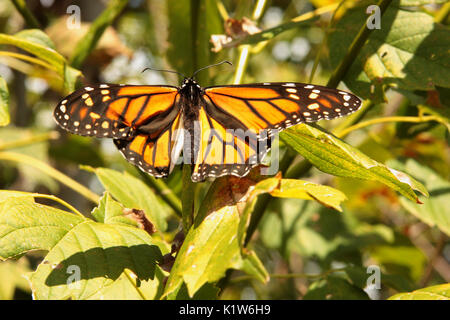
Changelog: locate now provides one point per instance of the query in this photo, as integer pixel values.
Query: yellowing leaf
(439, 292)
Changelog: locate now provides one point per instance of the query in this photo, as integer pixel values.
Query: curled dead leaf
(234, 29)
(139, 216)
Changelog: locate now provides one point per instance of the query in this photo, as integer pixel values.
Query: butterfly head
(190, 87)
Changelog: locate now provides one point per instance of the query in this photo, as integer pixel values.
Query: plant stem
(291, 275)
(52, 172)
(443, 13)
(29, 140)
(27, 15)
(370, 122)
(56, 199)
(187, 198)
(244, 50)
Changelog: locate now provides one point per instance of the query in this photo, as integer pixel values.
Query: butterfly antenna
(212, 65)
(162, 70)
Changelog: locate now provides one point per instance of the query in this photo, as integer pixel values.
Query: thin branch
(27, 15)
(291, 275)
(52, 135)
(370, 122)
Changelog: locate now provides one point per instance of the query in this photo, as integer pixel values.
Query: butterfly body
(220, 130)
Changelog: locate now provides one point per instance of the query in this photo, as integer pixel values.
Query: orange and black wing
(269, 106)
(225, 151)
(258, 110)
(142, 120)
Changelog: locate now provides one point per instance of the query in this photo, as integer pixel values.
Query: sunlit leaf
(292, 188)
(39, 44)
(435, 210)
(331, 155)
(4, 103)
(133, 194)
(96, 254)
(214, 242)
(439, 292)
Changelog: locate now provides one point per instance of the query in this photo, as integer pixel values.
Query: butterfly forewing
(113, 111)
(280, 105)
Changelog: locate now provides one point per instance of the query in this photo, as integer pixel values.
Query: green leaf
(36, 36)
(4, 103)
(208, 250)
(111, 212)
(331, 155)
(414, 3)
(89, 41)
(254, 267)
(214, 242)
(334, 288)
(132, 193)
(401, 259)
(39, 44)
(299, 189)
(435, 210)
(439, 292)
(104, 254)
(409, 52)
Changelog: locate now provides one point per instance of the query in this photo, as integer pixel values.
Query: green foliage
(4, 103)
(439, 292)
(39, 44)
(89, 41)
(408, 52)
(282, 236)
(331, 155)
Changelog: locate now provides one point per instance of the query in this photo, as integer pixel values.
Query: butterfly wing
(142, 120)
(224, 151)
(259, 110)
(155, 153)
(268, 106)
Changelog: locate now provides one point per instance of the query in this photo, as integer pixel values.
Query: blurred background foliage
(309, 251)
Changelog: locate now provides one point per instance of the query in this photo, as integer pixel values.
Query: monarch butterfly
(221, 130)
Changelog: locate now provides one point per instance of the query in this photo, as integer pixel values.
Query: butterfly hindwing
(226, 151)
(154, 153)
